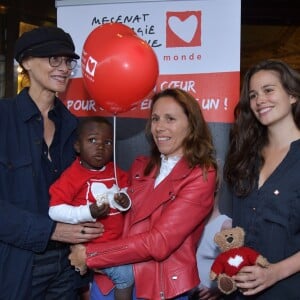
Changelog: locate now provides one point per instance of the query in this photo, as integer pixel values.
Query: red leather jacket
(161, 231)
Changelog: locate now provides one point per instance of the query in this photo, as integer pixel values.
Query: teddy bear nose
(229, 239)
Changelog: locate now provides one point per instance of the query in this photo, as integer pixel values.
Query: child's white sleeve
(71, 214)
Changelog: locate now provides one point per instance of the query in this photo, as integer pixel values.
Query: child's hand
(122, 199)
(99, 211)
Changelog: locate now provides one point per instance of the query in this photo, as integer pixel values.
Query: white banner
(197, 44)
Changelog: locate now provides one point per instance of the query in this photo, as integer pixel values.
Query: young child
(88, 192)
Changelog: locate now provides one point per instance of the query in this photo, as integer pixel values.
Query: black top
(270, 216)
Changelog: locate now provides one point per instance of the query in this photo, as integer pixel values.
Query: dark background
(272, 12)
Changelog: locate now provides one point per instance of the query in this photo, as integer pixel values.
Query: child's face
(95, 145)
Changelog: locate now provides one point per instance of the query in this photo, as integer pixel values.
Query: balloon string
(114, 154)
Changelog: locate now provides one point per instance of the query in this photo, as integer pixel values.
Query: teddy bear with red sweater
(233, 257)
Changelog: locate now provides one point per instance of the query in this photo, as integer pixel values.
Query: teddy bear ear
(217, 237)
(241, 230)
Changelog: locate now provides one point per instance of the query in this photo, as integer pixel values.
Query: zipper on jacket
(162, 294)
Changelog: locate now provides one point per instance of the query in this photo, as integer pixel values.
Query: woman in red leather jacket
(172, 194)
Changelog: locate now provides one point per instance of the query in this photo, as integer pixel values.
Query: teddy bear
(234, 255)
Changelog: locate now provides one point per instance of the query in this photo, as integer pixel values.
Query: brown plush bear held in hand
(232, 258)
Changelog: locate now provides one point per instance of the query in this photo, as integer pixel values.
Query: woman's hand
(254, 279)
(75, 234)
(77, 258)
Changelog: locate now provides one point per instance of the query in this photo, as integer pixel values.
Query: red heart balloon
(119, 69)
